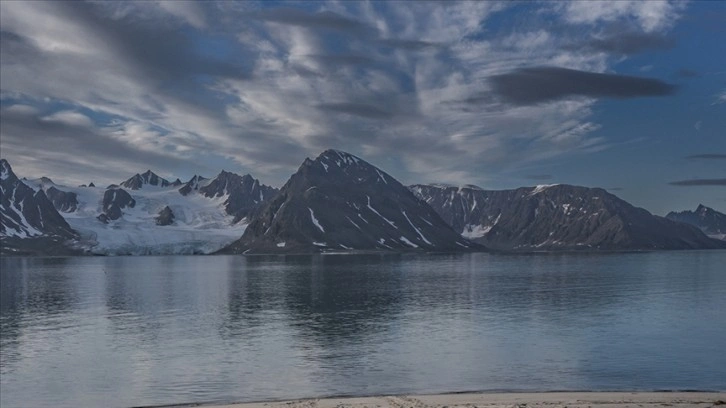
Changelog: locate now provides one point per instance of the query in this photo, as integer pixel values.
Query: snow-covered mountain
(143, 215)
(28, 220)
(148, 178)
(550, 217)
(339, 202)
(710, 221)
(243, 193)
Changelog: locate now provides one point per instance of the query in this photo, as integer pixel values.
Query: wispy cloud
(175, 85)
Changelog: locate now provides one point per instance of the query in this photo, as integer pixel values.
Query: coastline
(502, 400)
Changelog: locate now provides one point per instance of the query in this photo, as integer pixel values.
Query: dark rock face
(25, 213)
(165, 217)
(340, 202)
(91, 185)
(707, 219)
(148, 178)
(245, 193)
(114, 201)
(556, 217)
(191, 185)
(63, 201)
(176, 183)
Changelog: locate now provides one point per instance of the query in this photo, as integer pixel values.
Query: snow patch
(320, 244)
(315, 220)
(407, 242)
(418, 231)
(540, 188)
(281, 244)
(379, 214)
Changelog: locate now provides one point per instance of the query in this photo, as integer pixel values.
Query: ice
(281, 244)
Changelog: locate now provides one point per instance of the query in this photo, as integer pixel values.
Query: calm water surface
(129, 331)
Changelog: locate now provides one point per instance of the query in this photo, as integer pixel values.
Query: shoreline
(549, 399)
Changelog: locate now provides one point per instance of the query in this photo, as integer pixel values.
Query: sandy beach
(509, 400)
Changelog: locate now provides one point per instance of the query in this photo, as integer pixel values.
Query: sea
(156, 330)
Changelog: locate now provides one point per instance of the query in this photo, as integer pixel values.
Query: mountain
(340, 202)
(113, 203)
(243, 193)
(556, 217)
(710, 221)
(148, 178)
(28, 220)
(63, 201)
(192, 185)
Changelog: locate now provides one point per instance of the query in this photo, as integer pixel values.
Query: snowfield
(200, 225)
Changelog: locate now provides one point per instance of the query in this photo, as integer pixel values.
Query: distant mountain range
(556, 217)
(710, 221)
(336, 202)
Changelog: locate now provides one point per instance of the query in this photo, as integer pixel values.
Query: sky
(627, 95)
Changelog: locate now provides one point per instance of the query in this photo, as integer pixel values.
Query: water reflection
(160, 330)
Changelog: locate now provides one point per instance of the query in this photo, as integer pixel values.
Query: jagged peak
(5, 170)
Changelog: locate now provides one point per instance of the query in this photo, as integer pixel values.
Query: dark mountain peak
(191, 185)
(138, 181)
(91, 184)
(341, 168)
(176, 183)
(63, 201)
(26, 213)
(340, 202)
(244, 193)
(707, 219)
(6, 172)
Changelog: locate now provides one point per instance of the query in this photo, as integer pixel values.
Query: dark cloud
(539, 177)
(699, 182)
(625, 43)
(322, 20)
(357, 109)
(687, 73)
(159, 49)
(530, 86)
(714, 156)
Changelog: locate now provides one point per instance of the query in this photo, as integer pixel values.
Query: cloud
(709, 156)
(650, 16)
(322, 20)
(528, 86)
(357, 109)
(698, 125)
(249, 88)
(699, 182)
(625, 43)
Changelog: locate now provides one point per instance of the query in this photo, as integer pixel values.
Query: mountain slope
(340, 202)
(710, 221)
(28, 220)
(243, 194)
(149, 178)
(556, 217)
